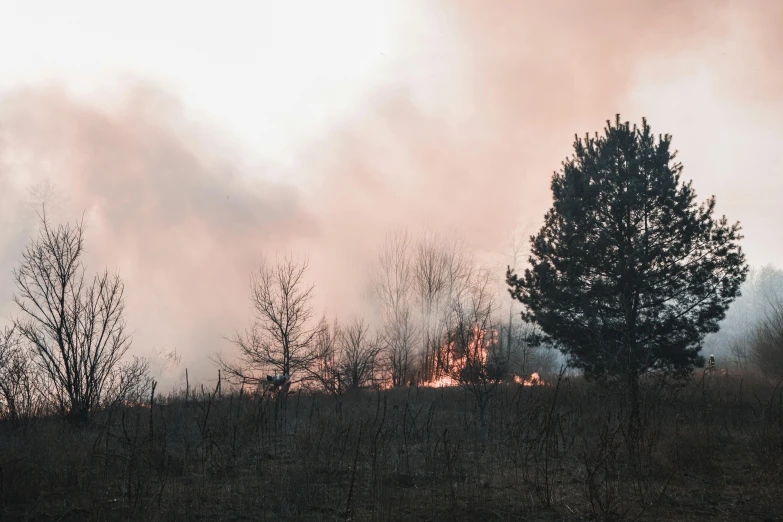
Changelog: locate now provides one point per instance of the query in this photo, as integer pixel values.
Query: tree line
(626, 277)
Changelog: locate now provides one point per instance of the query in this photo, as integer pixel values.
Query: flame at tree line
(534, 380)
(453, 365)
(459, 360)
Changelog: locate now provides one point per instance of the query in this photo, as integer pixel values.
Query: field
(711, 449)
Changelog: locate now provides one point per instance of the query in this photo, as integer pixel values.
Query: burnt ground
(708, 450)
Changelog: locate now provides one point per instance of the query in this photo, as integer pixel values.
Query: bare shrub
(555, 451)
(19, 397)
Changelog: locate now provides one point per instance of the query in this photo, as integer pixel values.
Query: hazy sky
(198, 135)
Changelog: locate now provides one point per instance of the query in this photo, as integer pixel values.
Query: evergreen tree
(628, 274)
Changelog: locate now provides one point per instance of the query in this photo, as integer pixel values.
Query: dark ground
(711, 450)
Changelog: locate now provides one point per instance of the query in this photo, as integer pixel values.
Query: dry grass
(710, 450)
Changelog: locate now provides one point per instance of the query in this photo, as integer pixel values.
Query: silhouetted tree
(359, 351)
(283, 336)
(76, 327)
(628, 273)
(325, 370)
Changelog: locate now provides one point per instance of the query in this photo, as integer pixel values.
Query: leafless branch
(76, 327)
(283, 336)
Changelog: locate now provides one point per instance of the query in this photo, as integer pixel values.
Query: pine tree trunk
(634, 418)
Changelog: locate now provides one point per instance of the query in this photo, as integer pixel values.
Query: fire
(451, 363)
(444, 381)
(384, 385)
(534, 380)
(135, 404)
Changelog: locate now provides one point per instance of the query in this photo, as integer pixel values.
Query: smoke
(480, 109)
(479, 106)
(181, 224)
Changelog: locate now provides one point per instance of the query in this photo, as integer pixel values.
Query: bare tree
(75, 327)
(739, 352)
(359, 354)
(393, 282)
(526, 351)
(766, 343)
(516, 337)
(19, 396)
(522, 340)
(460, 269)
(430, 280)
(399, 337)
(325, 371)
(440, 270)
(283, 336)
(519, 341)
(393, 279)
(471, 355)
(761, 292)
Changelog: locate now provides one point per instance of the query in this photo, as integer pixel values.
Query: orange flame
(135, 404)
(534, 380)
(444, 381)
(453, 364)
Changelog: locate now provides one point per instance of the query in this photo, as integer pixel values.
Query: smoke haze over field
(455, 123)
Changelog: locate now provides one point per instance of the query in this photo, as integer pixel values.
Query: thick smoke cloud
(479, 106)
(180, 223)
(483, 106)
